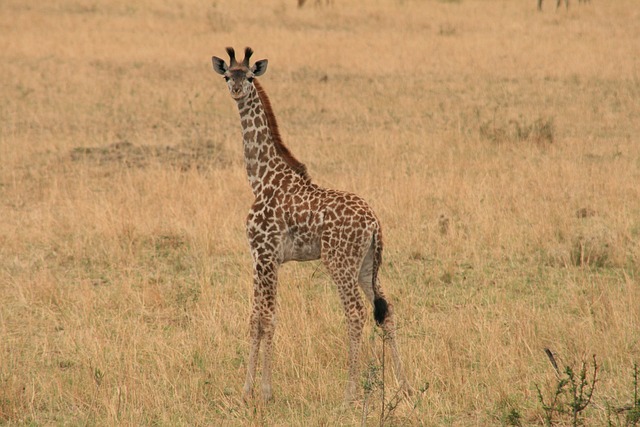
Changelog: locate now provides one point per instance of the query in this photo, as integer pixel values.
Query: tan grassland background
(498, 145)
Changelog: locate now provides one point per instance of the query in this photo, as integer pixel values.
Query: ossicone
(232, 56)
(247, 54)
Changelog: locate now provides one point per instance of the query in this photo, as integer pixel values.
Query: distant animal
(293, 219)
(317, 3)
(566, 3)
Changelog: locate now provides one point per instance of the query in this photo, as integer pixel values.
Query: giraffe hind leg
(383, 313)
(345, 275)
(389, 337)
(354, 312)
(388, 326)
(262, 327)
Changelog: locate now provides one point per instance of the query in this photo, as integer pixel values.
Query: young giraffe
(292, 219)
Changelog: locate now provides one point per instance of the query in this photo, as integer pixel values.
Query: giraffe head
(239, 76)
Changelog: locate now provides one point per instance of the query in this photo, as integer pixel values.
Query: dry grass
(480, 131)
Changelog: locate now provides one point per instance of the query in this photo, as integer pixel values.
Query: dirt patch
(185, 156)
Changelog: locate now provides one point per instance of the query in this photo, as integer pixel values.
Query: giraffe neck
(264, 152)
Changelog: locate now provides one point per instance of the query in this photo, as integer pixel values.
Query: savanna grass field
(497, 143)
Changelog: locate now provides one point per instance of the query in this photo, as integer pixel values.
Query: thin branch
(552, 360)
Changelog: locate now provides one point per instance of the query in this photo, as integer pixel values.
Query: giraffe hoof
(247, 395)
(407, 390)
(350, 394)
(267, 394)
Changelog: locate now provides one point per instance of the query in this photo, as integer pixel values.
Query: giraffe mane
(297, 166)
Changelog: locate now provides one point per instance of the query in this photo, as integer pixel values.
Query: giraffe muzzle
(237, 93)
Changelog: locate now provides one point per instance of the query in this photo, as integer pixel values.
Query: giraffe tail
(380, 305)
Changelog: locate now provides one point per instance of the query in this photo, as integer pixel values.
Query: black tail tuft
(380, 309)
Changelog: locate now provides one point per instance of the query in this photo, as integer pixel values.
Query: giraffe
(293, 219)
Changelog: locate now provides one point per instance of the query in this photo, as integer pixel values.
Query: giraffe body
(293, 219)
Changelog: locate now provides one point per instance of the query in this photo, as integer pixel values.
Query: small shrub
(592, 244)
(572, 394)
(632, 412)
(447, 30)
(513, 418)
(541, 131)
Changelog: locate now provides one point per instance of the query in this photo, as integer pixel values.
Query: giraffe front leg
(269, 325)
(255, 337)
(262, 326)
(266, 289)
(262, 331)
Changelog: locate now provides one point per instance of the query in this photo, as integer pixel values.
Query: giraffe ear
(259, 67)
(218, 65)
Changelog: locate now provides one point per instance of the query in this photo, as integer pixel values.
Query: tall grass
(501, 155)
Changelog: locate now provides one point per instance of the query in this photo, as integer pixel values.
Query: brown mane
(297, 166)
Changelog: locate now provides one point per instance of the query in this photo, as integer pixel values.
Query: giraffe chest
(289, 227)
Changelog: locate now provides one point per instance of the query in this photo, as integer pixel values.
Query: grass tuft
(540, 131)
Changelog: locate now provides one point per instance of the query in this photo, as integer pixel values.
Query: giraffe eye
(250, 79)
(226, 78)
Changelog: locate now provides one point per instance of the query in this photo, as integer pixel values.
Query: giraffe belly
(298, 248)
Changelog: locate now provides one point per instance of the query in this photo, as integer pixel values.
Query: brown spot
(585, 213)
